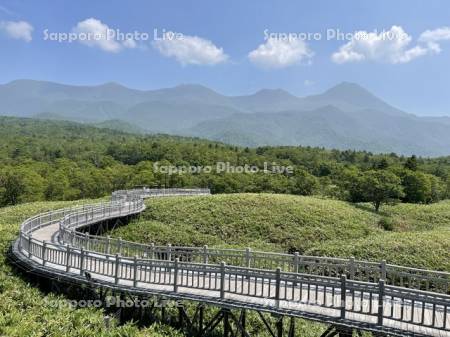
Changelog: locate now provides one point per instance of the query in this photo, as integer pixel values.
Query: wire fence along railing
(124, 203)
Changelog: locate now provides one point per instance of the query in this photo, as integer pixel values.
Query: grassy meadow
(408, 234)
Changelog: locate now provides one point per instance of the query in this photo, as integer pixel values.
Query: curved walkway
(372, 296)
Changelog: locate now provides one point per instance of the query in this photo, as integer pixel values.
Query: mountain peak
(112, 84)
(192, 86)
(278, 93)
(347, 88)
(350, 95)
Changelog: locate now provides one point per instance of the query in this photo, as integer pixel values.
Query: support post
(243, 322)
(291, 332)
(279, 326)
(180, 317)
(201, 313)
(226, 323)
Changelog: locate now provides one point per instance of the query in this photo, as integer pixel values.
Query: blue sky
(223, 45)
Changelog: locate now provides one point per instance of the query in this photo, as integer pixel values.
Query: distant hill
(331, 127)
(346, 116)
(119, 125)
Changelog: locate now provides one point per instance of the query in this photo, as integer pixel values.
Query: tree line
(55, 160)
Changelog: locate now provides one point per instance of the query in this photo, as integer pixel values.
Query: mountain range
(346, 116)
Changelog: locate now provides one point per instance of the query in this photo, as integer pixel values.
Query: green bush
(386, 223)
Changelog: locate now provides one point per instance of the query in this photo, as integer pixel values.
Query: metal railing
(325, 266)
(343, 288)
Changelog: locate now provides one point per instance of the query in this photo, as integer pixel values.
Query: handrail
(354, 269)
(343, 287)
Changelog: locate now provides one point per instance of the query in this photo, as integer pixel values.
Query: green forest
(56, 160)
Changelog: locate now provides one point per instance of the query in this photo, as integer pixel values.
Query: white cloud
(20, 30)
(392, 46)
(189, 49)
(280, 53)
(434, 35)
(94, 33)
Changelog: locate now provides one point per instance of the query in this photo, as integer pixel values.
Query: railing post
(383, 270)
(296, 262)
(81, 260)
(119, 246)
(152, 251)
(277, 287)
(44, 251)
(116, 269)
(296, 266)
(205, 254)
(381, 285)
(20, 241)
(67, 258)
(175, 276)
(222, 280)
(108, 245)
(86, 239)
(343, 295)
(135, 271)
(29, 246)
(248, 257)
(169, 252)
(352, 268)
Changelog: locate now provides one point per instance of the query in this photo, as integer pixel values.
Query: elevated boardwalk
(377, 297)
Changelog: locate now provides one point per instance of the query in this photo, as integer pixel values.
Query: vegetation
(56, 160)
(310, 225)
(407, 234)
(26, 311)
